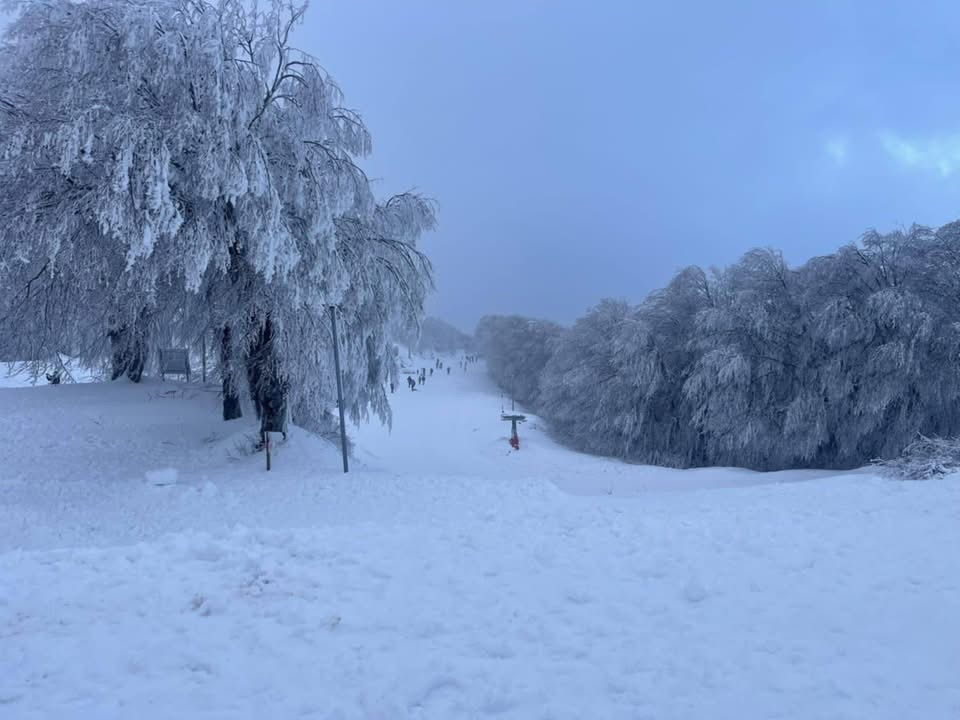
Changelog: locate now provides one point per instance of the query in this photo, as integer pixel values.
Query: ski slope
(452, 425)
(150, 568)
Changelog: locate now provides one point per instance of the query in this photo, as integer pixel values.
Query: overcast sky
(581, 150)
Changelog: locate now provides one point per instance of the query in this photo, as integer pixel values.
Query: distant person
(411, 383)
(448, 369)
(431, 372)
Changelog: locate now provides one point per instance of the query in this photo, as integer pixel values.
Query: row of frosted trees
(176, 169)
(833, 364)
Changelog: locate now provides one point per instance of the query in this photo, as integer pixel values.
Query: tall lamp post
(336, 364)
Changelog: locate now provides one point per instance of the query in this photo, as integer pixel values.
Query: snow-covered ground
(150, 568)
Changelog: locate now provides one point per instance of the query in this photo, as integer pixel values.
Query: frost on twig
(923, 459)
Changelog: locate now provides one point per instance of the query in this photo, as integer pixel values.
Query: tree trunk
(231, 394)
(137, 354)
(128, 351)
(267, 388)
(256, 359)
(118, 354)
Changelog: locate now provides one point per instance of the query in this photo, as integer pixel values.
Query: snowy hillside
(151, 568)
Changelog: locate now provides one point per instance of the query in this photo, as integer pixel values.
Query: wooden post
(336, 364)
(266, 445)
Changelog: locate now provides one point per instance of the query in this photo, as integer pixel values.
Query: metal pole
(203, 349)
(336, 363)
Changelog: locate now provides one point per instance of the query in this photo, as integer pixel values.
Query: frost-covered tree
(180, 164)
(884, 364)
(600, 384)
(439, 336)
(832, 364)
(670, 436)
(747, 367)
(516, 350)
(614, 386)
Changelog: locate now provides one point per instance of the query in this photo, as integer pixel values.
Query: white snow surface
(151, 568)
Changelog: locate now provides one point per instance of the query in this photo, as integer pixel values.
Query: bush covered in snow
(924, 458)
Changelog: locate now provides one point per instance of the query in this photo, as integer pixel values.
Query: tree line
(832, 364)
(437, 336)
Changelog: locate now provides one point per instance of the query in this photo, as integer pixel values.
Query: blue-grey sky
(583, 149)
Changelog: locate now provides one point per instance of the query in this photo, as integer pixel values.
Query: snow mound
(167, 476)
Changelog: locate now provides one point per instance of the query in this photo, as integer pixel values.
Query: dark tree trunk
(257, 357)
(137, 355)
(228, 372)
(118, 354)
(267, 388)
(253, 382)
(231, 394)
(128, 351)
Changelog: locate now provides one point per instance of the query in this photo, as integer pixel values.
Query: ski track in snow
(149, 569)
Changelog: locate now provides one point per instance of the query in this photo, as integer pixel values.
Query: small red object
(515, 442)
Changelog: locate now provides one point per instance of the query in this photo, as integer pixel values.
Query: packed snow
(151, 568)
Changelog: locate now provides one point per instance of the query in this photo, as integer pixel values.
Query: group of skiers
(423, 373)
